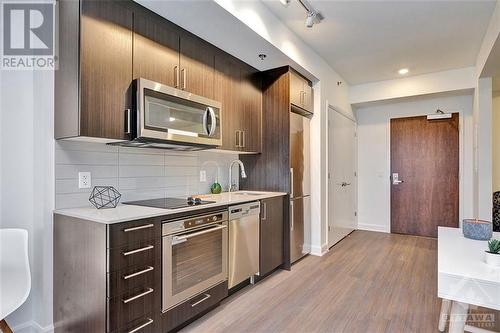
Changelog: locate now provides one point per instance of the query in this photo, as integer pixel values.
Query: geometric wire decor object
(104, 197)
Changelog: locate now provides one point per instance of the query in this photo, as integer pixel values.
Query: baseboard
(319, 250)
(32, 327)
(373, 227)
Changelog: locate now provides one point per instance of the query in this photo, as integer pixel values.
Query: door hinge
(329, 176)
(329, 228)
(355, 174)
(355, 213)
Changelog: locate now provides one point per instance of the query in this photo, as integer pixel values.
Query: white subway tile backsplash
(137, 173)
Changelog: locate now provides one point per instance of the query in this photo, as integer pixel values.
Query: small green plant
(494, 246)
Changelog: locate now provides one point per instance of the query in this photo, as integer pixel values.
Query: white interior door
(342, 176)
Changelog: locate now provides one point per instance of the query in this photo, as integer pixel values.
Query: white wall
(137, 173)
(452, 80)
(496, 140)
(374, 153)
(27, 183)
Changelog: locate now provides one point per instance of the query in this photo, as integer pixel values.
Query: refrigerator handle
(291, 215)
(291, 182)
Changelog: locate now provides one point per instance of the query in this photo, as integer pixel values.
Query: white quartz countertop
(123, 213)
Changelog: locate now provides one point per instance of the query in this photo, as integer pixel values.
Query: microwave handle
(205, 120)
(213, 125)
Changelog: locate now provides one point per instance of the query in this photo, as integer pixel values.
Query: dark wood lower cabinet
(271, 234)
(183, 313)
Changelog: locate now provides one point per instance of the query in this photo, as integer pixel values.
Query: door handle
(291, 215)
(291, 182)
(243, 139)
(264, 211)
(344, 184)
(237, 139)
(396, 180)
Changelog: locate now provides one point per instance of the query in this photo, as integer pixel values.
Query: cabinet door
(296, 89)
(105, 68)
(227, 80)
(197, 66)
(271, 234)
(251, 109)
(308, 97)
(156, 49)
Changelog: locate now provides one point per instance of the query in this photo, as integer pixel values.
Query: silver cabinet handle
(140, 327)
(291, 182)
(147, 269)
(243, 139)
(207, 296)
(183, 71)
(194, 234)
(145, 226)
(264, 211)
(176, 76)
(142, 249)
(237, 139)
(127, 114)
(291, 215)
(133, 298)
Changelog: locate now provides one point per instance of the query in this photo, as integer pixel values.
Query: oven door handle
(184, 238)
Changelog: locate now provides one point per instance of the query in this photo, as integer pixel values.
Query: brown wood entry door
(425, 155)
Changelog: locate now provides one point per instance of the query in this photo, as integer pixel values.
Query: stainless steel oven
(170, 115)
(194, 256)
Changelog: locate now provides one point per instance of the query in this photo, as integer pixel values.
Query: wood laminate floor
(369, 282)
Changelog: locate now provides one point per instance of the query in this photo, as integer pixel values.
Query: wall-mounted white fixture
(403, 71)
(285, 2)
(439, 115)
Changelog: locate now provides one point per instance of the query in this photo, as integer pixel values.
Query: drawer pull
(145, 226)
(146, 248)
(133, 298)
(207, 296)
(147, 269)
(140, 327)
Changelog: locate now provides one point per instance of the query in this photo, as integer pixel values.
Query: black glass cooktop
(169, 203)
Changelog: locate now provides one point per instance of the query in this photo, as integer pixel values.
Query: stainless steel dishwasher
(244, 223)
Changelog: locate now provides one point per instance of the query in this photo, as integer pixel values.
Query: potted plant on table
(493, 254)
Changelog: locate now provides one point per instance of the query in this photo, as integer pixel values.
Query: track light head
(313, 17)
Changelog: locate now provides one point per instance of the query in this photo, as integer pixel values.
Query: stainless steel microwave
(172, 118)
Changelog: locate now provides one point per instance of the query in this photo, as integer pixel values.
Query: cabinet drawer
(146, 324)
(132, 256)
(121, 234)
(193, 307)
(130, 308)
(130, 279)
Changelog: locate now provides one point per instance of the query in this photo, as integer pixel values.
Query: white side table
(464, 279)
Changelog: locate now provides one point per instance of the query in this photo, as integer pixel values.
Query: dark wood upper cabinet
(120, 41)
(196, 66)
(271, 234)
(156, 49)
(238, 88)
(301, 94)
(105, 68)
(227, 77)
(251, 108)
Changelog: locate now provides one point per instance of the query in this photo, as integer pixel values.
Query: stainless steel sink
(248, 193)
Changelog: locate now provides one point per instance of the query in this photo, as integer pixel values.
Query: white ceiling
(367, 41)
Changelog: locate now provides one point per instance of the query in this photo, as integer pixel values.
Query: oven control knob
(214, 218)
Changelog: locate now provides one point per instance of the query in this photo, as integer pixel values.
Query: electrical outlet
(84, 180)
(203, 176)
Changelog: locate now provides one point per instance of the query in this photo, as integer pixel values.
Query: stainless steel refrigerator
(300, 186)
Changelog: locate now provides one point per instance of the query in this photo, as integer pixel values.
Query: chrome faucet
(232, 187)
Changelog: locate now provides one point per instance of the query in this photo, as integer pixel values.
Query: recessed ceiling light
(403, 71)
